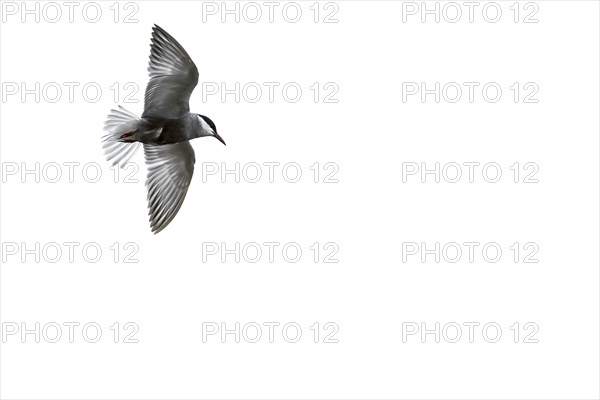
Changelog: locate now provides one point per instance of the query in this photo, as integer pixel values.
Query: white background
(369, 213)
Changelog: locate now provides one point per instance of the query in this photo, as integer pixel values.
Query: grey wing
(170, 170)
(173, 77)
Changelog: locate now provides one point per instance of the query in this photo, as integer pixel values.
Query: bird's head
(208, 128)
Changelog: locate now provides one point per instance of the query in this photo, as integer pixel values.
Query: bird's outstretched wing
(170, 170)
(173, 77)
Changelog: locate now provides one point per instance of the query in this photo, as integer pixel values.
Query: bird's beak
(220, 138)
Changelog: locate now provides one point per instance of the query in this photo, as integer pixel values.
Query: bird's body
(159, 131)
(165, 129)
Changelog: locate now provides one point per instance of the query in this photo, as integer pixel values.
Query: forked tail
(120, 143)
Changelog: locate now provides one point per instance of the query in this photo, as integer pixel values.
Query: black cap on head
(209, 122)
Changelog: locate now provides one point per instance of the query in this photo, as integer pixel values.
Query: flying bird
(164, 129)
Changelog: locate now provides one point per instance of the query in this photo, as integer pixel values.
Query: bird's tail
(120, 143)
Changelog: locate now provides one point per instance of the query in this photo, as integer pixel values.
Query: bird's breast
(172, 133)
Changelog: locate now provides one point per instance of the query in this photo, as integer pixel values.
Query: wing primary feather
(170, 171)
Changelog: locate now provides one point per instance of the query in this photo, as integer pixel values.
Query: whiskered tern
(165, 129)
